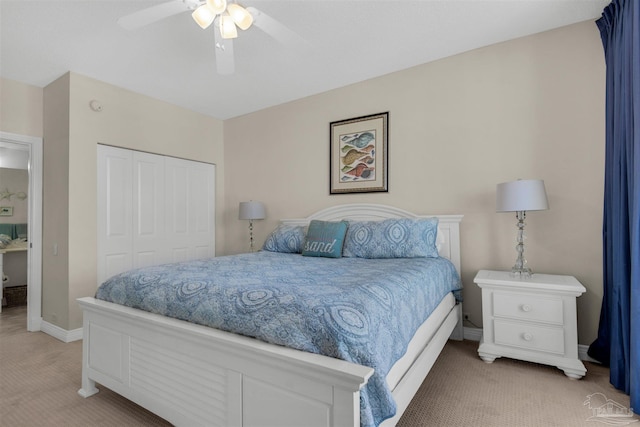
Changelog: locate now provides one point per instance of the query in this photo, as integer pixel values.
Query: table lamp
(521, 196)
(251, 210)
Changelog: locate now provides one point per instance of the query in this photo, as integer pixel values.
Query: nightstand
(532, 319)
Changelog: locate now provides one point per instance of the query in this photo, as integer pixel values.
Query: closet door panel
(203, 251)
(201, 205)
(176, 186)
(115, 253)
(114, 264)
(149, 234)
(191, 189)
(177, 221)
(180, 254)
(199, 200)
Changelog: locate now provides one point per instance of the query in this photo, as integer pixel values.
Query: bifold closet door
(115, 211)
(148, 210)
(190, 220)
(152, 210)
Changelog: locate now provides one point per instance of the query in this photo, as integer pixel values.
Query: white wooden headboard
(448, 239)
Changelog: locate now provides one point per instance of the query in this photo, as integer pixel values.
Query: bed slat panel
(266, 404)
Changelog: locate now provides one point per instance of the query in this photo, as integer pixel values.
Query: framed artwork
(359, 150)
(6, 210)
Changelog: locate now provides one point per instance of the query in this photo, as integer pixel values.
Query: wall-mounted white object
(95, 105)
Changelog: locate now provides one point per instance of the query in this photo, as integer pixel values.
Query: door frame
(34, 252)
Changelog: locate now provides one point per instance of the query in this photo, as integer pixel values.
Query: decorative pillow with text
(325, 239)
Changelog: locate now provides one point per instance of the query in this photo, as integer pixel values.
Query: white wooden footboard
(193, 375)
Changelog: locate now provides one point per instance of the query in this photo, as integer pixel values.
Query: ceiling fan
(225, 16)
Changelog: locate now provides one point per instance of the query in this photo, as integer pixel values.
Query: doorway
(33, 145)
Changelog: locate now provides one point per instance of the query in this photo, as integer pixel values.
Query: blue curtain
(618, 343)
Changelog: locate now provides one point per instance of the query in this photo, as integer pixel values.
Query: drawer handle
(527, 336)
(526, 308)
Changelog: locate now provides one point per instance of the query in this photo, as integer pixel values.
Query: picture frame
(359, 155)
(6, 210)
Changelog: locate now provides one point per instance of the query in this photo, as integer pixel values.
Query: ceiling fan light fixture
(203, 16)
(228, 27)
(240, 15)
(217, 6)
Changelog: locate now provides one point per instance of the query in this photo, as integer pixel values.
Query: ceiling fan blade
(276, 29)
(225, 61)
(153, 14)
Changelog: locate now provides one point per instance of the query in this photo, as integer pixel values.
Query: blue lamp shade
(521, 195)
(251, 210)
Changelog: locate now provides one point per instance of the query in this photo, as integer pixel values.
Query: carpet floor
(40, 377)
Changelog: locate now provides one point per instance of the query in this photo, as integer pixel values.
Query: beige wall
(127, 120)
(55, 203)
(527, 108)
(20, 108)
(20, 113)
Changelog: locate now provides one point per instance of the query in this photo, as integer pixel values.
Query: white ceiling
(173, 60)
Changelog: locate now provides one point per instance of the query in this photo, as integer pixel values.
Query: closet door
(190, 198)
(152, 210)
(115, 228)
(149, 234)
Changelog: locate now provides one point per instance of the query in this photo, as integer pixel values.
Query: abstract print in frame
(358, 154)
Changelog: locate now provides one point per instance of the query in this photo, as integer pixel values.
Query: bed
(191, 374)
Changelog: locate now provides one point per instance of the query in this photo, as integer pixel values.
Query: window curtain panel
(618, 342)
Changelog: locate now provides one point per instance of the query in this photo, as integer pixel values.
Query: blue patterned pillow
(286, 239)
(325, 239)
(392, 238)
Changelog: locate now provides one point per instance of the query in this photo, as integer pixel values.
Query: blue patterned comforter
(360, 310)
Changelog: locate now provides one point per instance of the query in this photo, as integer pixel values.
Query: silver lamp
(521, 196)
(251, 210)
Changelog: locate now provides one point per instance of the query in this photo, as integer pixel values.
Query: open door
(33, 146)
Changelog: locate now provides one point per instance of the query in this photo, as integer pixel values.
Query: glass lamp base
(521, 273)
(520, 269)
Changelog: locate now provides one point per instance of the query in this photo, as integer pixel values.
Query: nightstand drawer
(528, 307)
(522, 335)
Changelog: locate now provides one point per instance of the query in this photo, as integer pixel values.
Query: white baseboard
(582, 354)
(59, 333)
(472, 334)
(35, 324)
(475, 334)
